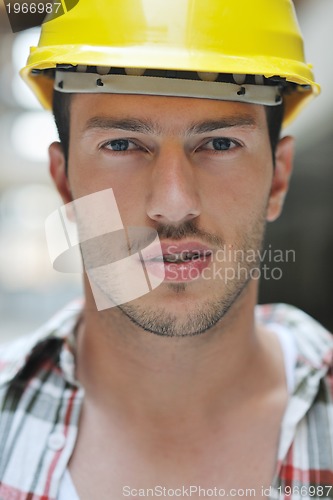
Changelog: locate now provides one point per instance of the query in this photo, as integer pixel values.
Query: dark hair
(274, 115)
(61, 111)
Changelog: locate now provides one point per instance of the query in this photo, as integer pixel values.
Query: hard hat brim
(173, 59)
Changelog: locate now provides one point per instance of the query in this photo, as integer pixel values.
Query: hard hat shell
(256, 37)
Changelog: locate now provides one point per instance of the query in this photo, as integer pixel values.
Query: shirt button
(56, 441)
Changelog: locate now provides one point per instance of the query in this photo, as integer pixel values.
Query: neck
(158, 379)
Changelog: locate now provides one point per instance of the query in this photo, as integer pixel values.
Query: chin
(176, 313)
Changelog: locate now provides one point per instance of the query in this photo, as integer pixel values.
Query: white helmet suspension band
(82, 82)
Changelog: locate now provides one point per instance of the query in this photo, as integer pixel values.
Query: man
(170, 115)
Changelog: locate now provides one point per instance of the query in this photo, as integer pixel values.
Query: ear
(58, 171)
(283, 167)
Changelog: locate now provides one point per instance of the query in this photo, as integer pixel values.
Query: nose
(173, 195)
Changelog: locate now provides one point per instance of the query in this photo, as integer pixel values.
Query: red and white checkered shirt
(40, 403)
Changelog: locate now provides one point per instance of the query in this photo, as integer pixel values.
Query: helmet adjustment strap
(78, 82)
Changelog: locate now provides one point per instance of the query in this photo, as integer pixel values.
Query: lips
(179, 251)
(179, 258)
(181, 261)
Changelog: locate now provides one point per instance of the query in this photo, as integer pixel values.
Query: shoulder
(314, 343)
(16, 355)
(39, 401)
(307, 424)
(313, 370)
(289, 316)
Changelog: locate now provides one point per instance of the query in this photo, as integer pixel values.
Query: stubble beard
(201, 318)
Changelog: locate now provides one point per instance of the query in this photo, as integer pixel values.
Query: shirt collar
(314, 347)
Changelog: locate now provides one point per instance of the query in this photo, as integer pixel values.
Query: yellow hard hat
(243, 37)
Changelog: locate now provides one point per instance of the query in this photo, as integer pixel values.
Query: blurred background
(31, 291)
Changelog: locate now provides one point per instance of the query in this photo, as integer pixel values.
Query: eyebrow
(150, 127)
(130, 124)
(227, 122)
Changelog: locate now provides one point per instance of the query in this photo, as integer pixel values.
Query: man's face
(198, 171)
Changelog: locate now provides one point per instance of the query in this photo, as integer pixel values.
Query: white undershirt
(67, 489)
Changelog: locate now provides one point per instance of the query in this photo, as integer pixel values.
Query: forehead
(162, 114)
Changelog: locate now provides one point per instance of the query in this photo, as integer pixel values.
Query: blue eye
(222, 144)
(118, 145)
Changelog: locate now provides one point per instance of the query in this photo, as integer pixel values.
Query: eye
(220, 144)
(120, 145)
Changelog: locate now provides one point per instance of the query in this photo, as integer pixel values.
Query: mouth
(179, 261)
(182, 257)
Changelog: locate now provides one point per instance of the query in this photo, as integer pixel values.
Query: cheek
(86, 177)
(237, 196)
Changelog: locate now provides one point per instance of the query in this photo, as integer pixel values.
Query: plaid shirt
(40, 403)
